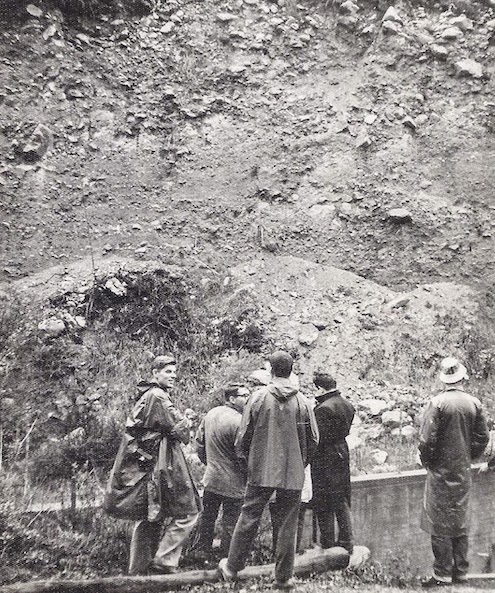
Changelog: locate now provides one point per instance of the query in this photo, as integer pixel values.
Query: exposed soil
(223, 136)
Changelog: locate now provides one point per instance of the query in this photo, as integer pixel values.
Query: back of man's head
(324, 381)
(281, 363)
(232, 390)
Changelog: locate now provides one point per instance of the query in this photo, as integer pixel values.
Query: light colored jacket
(277, 436)
(215, 440)
(453, 433)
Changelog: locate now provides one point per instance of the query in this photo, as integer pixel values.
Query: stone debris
(53, 327)
(116, 286)
(439, 51)
(39, 143)
(463, 23)
(363, 140)
(407, 432)
(395, 418)
(399, 215)
(469, 67)
(308, 334)
(391, 27)
(391, 14)
(374, 406)
(379, 456)
(399, 302)
(452, 33)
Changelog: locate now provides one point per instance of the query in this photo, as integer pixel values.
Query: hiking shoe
(434, 582)
(283, 585)
(225, 571)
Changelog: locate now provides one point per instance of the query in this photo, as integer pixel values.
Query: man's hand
(483, 469)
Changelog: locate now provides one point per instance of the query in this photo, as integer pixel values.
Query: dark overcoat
(330, 471)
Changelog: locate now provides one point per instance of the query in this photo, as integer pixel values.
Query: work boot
(434, 582)
(225, 571)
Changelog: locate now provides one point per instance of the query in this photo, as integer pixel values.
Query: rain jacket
(277, 436)
(150, 478)
(453, 433)
(215, 441)
(330, 463)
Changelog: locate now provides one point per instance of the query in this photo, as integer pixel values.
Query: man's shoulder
(444, 398)
(222, 411)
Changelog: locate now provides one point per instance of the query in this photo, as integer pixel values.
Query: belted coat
(150, 478)
(453, 433)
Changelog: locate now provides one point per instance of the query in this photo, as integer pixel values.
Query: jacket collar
(327, 395)
(455, 387)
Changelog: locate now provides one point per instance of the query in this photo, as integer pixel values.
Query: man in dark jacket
(151, 462)
(330, 472)
(453, 433)
(277, 436)
(224, 480)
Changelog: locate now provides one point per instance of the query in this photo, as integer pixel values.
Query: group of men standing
(256, 448)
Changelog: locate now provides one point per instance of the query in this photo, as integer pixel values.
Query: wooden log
(313, 561)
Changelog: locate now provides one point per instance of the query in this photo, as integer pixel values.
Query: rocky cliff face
(333, 160)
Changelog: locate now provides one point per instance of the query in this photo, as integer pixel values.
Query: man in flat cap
(330, 470)
(453, 433)
(150, 480)
(276, 438)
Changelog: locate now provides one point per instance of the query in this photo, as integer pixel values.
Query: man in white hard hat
(453, 433)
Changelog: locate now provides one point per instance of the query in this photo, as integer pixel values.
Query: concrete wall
(386, 510)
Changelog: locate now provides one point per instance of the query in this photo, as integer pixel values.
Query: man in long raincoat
(330, 465)
(453, 433)
(150, 481)
(277, 436)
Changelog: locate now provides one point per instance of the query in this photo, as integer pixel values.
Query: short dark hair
(281, 363)
(324, 380)
(232, 390)
(162, 361)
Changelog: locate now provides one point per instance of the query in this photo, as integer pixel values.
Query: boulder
(400, 215)
(349, 7)
(379, 456)
(395, 418)
(469, 67)
(40, 141)
(439, 51)
(463, 23)
(374, 406)
(451, 34)
(391, 27)
(53, 327)
(391, 15)
(308, 334)
(399, 302)
(354, 442)
(408, 432)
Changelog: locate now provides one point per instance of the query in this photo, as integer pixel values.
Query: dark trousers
(339, 510)
(231, 509)
(275, 520)
(245, 531)
(450, 556)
